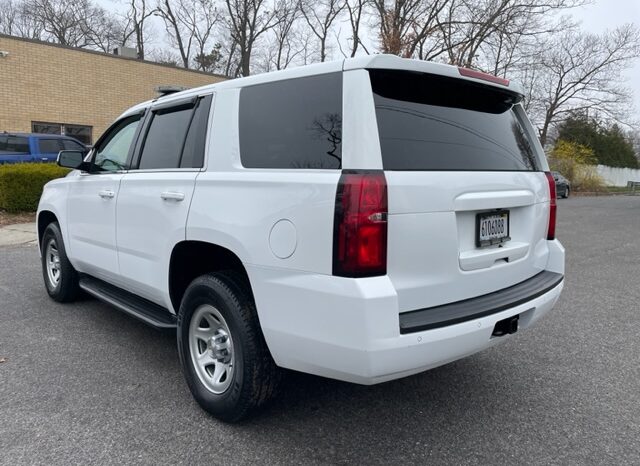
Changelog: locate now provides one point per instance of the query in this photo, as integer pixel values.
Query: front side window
(72, 145)
(296, 123)
(113, 151)
(50, 146)
(80, 132)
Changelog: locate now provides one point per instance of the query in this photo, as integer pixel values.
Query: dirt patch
(10, 219)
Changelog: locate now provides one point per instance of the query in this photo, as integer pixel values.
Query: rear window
(429, 122)
(296, 123)
(14, 144)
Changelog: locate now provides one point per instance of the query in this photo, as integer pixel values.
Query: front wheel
(566, 192)
(224, 357)
(60, 278)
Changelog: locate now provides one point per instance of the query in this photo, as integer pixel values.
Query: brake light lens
(360, 225)
(551, 231)
(469, 73)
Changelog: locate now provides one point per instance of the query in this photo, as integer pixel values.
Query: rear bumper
(349, 329)
(474, 308)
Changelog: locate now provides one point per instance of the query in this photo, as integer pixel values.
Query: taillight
(469, 73)
(360, 225)
(551, 231)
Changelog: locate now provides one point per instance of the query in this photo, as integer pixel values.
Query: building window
(80, 132)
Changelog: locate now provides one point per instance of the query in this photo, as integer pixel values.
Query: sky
(596, 17)
(608, 14)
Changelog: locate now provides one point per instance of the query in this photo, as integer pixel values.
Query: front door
(92, 202)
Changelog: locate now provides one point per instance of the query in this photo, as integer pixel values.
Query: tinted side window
(14, 144)
(165, 139)
(50, 146)
(193, 152)
(72, 145)
(295, 123)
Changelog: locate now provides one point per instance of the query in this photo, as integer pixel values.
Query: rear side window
(429, 122)
(176, 137)
(296, 123)
(50, 146)
(14, 144)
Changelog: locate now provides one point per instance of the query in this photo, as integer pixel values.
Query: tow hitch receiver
(506, 326)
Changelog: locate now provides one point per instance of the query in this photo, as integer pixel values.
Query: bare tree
(497, 28)
(12, 15)
(76, 24)
(136, 24)
(355, 10)
(181, 38)
(247, 20)
(404, 24)
(62, 20)
(320, 15)
(285, 42)
(580, 71)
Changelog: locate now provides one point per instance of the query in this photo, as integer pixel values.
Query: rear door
(155, 195)
(468, 198)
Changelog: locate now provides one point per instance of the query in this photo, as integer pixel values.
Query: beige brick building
(47, 87)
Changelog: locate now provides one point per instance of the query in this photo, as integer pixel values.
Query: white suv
(362, 220)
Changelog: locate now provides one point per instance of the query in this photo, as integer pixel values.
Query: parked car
(563, 187)
(33, 147)
(363, 220)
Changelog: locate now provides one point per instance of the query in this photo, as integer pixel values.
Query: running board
(142, 309)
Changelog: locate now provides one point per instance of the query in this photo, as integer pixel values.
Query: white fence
(614, 176)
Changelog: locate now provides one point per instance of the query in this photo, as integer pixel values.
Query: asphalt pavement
(85, 384)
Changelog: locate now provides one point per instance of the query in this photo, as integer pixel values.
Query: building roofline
(110, 55)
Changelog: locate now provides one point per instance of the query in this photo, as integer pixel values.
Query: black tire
(66, 288)
(566, 192)
(255, 377)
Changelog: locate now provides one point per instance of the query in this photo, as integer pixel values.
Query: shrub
(21, 184)
(576, 163)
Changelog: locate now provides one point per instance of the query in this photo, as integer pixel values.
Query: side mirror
(71, 159)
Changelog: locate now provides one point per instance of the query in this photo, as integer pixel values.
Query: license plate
(492, 228)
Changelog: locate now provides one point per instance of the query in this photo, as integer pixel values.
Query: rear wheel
(224, 357)
(566, 192)
(60, 278)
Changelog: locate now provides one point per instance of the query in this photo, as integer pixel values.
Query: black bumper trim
(481, 306)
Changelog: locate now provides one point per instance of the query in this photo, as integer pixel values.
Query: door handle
(172, 196)
(106, 194)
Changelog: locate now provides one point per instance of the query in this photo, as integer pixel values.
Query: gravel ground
(83, 383)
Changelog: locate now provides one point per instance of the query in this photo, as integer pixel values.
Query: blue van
(32, 147)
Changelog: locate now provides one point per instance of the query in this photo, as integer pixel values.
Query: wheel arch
(44, 219)
(191, 259)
